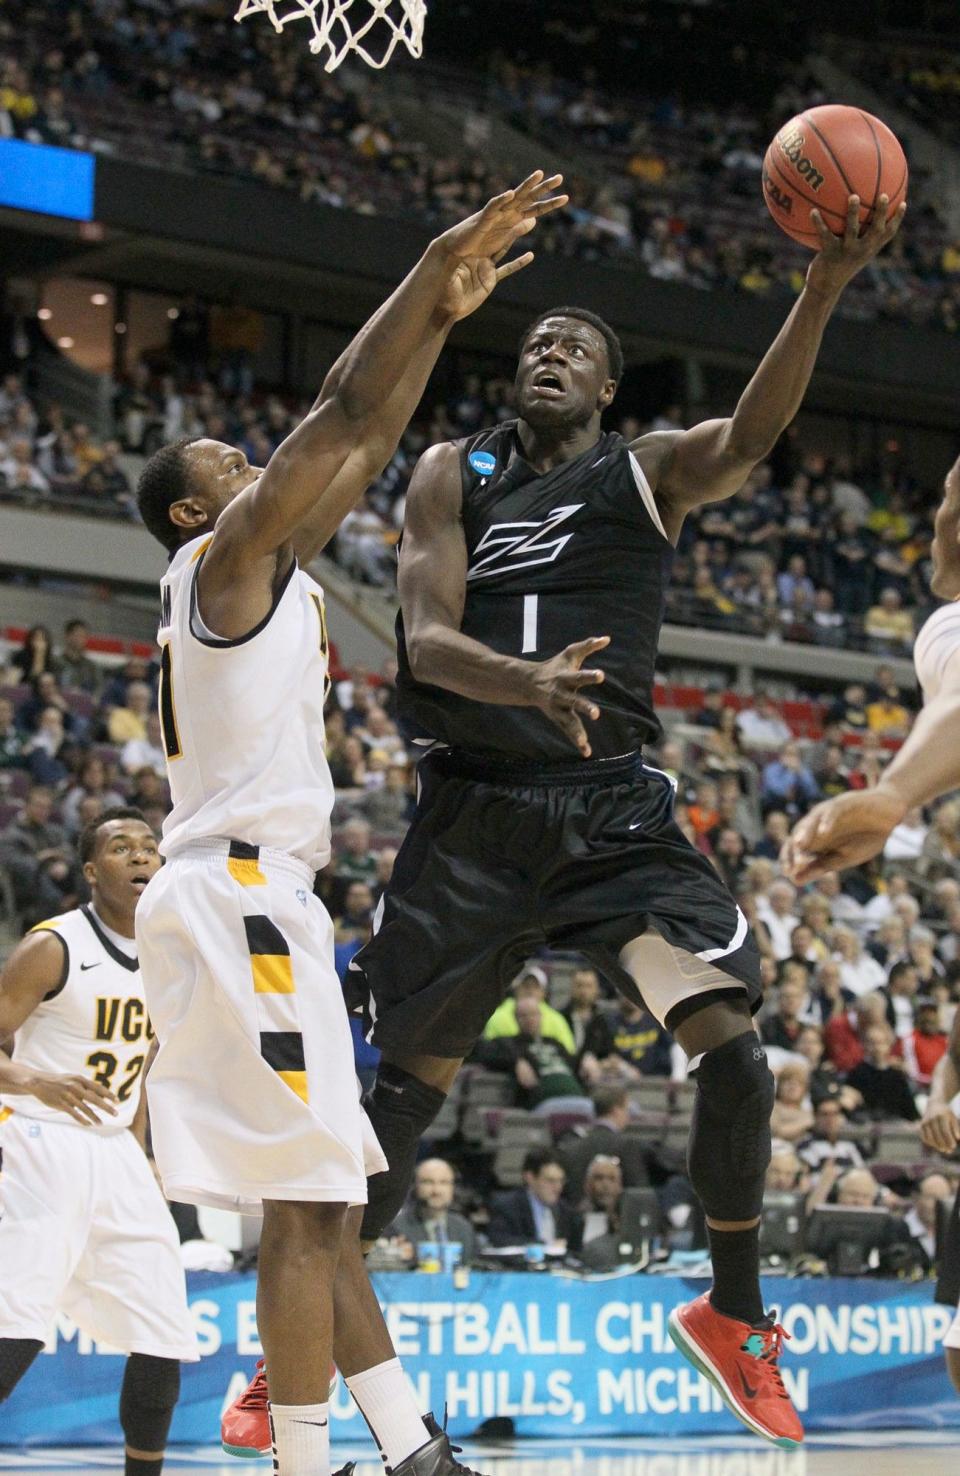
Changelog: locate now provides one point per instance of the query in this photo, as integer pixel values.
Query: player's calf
(400, 1107)
(148, 1397)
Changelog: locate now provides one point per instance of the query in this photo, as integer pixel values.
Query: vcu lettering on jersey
(242, 719)
(94, 1024)
(578, 551)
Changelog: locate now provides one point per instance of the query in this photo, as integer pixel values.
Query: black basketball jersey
(552, 559)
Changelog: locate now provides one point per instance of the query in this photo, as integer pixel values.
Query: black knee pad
(400, 1108)
(16, 1356)
(729, 1146)
(148, 1397)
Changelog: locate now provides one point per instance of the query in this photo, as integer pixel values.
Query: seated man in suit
(537, 1212)
(429, 1214)
(605, 1134)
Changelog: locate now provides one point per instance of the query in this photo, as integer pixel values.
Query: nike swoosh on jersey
(84, 967)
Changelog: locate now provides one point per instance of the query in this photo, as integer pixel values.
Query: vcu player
(253, 1096)
(854, 828)
(518, 541)
(84, 1227)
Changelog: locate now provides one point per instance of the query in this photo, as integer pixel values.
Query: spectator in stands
(888, 623)
(826, 1143)
(884, 1087)
(941, 848)
(832, 774)
(75, 667)
(91, 780)
(783, 1028)
(921, 1218)
(887, 716)
(386, 860)
(11, 740)
(776, 828)
(641, 1046)
(785, 1172)
(606, 1135)
(845, 1033)
(858, 1189)
(924, 959)
(134, 669)
(775, 911)
(353, 924)
(532, 984)
(537, 1212)
(34, 656)
(130, 720)
(602, 1191)
(791, 1118)
(924, 1046)
(430, 1214)
(859, 973)
(709, 714)
(761, 725)
(588, 1023)
(391, 806)
(900, 992)
(355, 859)
(35, 851)
(112, 483)
(788, 784)
(544, 1070)
(146, 752)
(43, 750)
(824, 1081)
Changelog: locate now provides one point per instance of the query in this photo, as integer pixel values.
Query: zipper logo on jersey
(520, 545)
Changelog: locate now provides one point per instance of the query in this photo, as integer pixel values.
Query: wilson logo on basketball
(791, 143)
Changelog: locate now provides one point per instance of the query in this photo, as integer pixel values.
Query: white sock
(301, 1439)
(387, 1404)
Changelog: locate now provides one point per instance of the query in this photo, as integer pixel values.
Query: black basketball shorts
(502, 859)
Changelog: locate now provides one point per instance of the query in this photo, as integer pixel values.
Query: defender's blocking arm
(474, 252)
(712, 460)
(432, 581)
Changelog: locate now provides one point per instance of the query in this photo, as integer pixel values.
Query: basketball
(820, 158)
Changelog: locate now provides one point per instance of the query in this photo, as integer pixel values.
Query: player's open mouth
(549, 384)
(139, 882)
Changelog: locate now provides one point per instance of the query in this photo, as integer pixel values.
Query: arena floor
(893, 1453)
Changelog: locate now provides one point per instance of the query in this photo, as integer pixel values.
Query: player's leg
(16, 1356)
(148, 1397)
(299, 1251)
(409, 1090)
(365, 1355)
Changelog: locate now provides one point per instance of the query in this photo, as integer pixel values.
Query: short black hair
(87, 844)
(539, 1158)
(584, 315)
(75, 624)
(167, 478)
(899, 969)
(608, 1095)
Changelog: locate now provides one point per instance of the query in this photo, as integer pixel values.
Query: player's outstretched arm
(712, 460)
(849, 830)
(32, 972)
(408, 329)
(433, 583)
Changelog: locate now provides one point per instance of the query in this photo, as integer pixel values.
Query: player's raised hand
(841, 257)
(841, 833)
(479, 245)
(75, 1095)
(556, 689)
(940, 1128)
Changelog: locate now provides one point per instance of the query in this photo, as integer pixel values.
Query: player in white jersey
(84, 1228)
(253, 1096)
(854, 827)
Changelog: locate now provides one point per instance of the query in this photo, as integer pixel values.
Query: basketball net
(399, 20)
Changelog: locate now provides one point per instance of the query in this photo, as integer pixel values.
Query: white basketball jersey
(94, 1024)
(937, 642)
(243, 719)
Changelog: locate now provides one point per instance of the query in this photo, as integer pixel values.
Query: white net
(344, 26)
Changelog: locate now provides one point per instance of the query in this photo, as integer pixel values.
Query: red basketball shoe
(245, 1426)
(741, 1362)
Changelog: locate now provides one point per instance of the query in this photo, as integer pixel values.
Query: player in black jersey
(518, 542)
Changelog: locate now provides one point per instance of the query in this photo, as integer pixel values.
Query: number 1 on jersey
(168, 712)
(529, 624)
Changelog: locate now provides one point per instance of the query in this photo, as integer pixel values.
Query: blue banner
(558, 1356)
(49, 180)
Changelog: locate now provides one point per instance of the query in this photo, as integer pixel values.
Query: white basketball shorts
(253, 1095)
(84, 1230)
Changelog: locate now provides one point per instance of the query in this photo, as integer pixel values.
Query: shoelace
(255, 1395)
(458, 1466)
(773, 1339)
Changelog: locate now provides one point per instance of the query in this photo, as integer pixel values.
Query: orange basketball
(822, 156)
